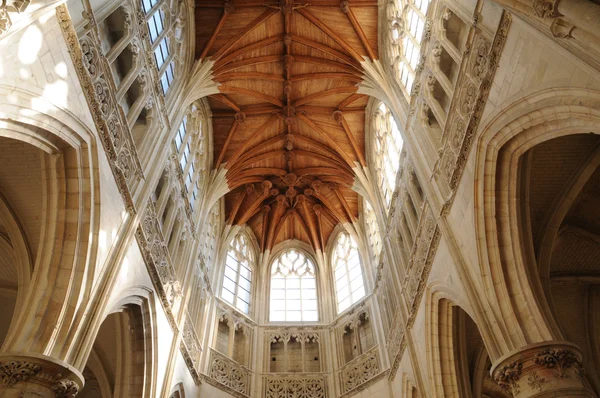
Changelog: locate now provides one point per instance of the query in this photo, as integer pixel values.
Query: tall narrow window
(237, 281)
(374, 236)
(293, 289)
(349, 284)
(159, 27)
(388, 145)
(190, 147)
(407, 27)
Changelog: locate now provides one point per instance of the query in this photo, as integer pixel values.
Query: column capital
(35, 375)
(543, 370)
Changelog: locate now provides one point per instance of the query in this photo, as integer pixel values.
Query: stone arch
(123, 354)
(510, 274)
(177, 391)
(16, 265)
(65, 258)
(459, 365)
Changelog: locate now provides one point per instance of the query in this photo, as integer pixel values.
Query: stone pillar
(549, 369)
(37, 376)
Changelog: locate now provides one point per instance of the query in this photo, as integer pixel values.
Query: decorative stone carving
(360, 370)
(542, 368)
(65, 388)
(545, 8)
(156, 256)
(111, 124)
(300, 386)
(50, 376)
(229, 373)
(15, 7)
(12, 372)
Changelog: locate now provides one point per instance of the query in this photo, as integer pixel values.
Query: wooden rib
(324, 94)
(237, 205)
(251, 210)
(338, 180)
(260, 109)
(244, 181)
(214, 35)
(247, 62)
(250, 93)
(311, 226)
(246, 30)
(328, 31)
(264, 171)
(339, 216)
(246, 49)
(255, 150)
(276, 219)
(282, 221)
(336, 3)
(360, 33)
(349, 100)
(328, 139)
(326, 62)
(325, 49)
(227, 101)
(323, 148)
(322, 158)
(234, 126)
(255, 159)
(321, 170)
(249, 75)
(297, 216)
(327, 75)
(250, 141)
(343, 202)
(353, 142)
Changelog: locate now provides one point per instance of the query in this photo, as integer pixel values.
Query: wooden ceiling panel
(288, 125)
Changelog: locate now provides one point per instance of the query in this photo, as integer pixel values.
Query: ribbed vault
(288, 123)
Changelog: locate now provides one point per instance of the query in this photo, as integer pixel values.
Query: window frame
(315, 276)
(250, 257)
(346, 275)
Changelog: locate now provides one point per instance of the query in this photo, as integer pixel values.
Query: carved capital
(40, 375)
(541, 368)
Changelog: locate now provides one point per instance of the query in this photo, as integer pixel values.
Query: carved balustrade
(229, 374)
(191, 348)
(313, 385)
(359, 372)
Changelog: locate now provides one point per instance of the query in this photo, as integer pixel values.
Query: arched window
(237, 281)
(407, 25)
(374, 236)
(345, 260)
(190, 146)
(388, 145)
(162, 32)
(293, 289)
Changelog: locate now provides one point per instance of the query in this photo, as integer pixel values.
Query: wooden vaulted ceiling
(288, 124)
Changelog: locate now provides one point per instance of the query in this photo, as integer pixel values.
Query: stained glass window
(388, 146)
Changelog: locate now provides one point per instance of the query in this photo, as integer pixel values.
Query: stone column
(549, 369)
(37, 376)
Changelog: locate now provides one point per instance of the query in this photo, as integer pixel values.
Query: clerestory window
(407, 26)
(348, 276)
(293, 289)
(160, 29)
(388, 146)
(373, 234)
(237, 281)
